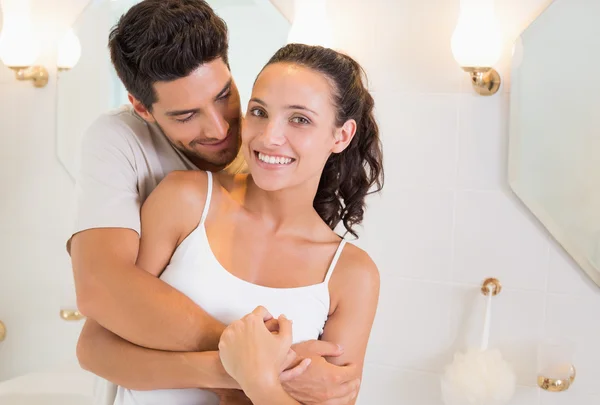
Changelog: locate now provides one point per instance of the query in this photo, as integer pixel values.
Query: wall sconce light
(477, 44)
(19, 50)
(69, 51)
(311, 24)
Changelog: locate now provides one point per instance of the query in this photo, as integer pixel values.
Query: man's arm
(131, 302)
(123, 363)
(114, 359)
(110, 288)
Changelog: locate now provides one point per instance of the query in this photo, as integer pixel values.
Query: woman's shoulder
(355, 276)
(356, 260)
(184, 187)
(181, 193)
(355, 269)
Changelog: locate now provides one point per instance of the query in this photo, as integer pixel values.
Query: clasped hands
(257, 352)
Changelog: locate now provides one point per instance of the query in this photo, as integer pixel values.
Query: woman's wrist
(268, 394)
(209, 371)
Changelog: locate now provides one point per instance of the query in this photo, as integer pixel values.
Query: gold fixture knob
(71, 315)
(485, 81)
(37, 74)
(555, 384)
(2, 331)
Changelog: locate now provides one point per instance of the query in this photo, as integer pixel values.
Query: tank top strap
(208, 198)
(336, 257)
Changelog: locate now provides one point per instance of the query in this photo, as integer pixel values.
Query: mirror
(256, 30)
(554, 152)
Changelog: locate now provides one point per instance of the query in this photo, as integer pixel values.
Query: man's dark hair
(165, 40)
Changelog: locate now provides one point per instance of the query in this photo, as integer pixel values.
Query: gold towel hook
(491, 284)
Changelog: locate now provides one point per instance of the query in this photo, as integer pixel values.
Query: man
(185, 114)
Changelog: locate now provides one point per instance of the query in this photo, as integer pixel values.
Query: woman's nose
(273, 134)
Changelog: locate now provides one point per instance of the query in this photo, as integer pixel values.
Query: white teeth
(279, 160)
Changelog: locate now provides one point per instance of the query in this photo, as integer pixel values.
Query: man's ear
(344, 135)
(140, 109)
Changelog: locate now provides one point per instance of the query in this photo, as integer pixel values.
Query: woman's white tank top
(195, 271)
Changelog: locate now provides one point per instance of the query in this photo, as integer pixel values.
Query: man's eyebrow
(223, 91)
(289, 107)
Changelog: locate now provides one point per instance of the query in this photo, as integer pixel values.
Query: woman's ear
(343, 136)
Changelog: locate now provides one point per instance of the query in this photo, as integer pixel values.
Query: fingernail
(340, 348)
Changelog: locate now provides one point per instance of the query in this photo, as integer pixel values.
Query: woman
(266, 239)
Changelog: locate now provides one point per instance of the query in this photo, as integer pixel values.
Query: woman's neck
(285, 210)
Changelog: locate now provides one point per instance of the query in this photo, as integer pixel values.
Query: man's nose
(217, 125)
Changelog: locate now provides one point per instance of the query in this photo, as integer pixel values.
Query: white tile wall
(35, 214)
(445, 221)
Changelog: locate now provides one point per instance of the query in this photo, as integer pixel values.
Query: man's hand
(322, 382)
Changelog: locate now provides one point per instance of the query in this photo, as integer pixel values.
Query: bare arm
(170, 213)
(114, 359)
(110, 288)
(354, 291)
(131, 302)
(356, 286)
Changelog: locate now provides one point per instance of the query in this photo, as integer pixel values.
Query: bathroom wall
(445, 221)
(35, 213)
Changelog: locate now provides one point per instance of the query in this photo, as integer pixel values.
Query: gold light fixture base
(2, 331)
(37, 74)
(555, 384)
(492, 283)
(486, 81)
(71, 315)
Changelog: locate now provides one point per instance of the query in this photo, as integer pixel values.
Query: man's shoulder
(121, 122)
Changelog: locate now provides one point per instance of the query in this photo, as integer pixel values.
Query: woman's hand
(254, 356)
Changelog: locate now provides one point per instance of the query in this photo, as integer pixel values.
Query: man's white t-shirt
(123, 158)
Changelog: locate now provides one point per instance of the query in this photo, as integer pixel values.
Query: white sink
(45, 399)
(67, 386)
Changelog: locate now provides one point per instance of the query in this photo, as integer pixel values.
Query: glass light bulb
(69, 50)
(19, 46)
(476, 41)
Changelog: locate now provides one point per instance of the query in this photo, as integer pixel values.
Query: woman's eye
(300, 120)
(257, 112)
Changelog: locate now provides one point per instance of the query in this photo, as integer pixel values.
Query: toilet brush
(480, 376)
